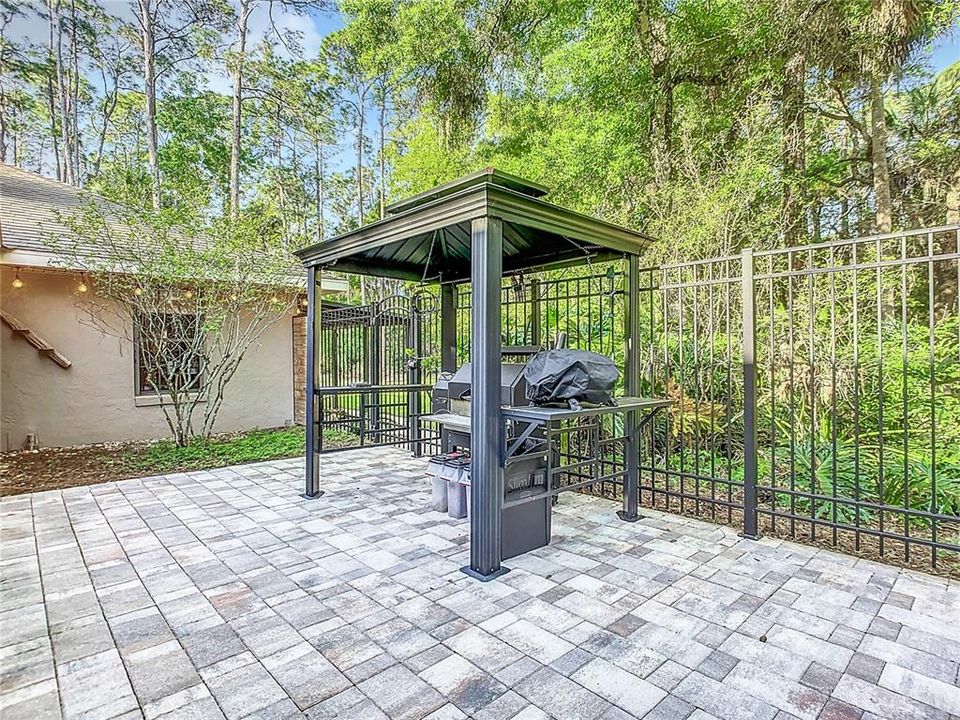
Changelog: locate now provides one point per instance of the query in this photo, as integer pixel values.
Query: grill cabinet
(526, 526)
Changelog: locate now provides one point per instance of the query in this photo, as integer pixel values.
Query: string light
(188, 294)
(138, 291)
(233, 296)
(82, 287)
(275, 299)
(17, 282)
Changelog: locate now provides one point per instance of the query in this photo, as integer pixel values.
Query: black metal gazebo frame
(477, 229)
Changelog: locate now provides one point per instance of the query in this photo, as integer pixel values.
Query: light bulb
(138, 291)
(17, 282)
(275, 299)
(188, 294)
(233, 296)
(82, 287)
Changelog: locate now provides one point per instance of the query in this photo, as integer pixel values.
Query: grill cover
(570, 377)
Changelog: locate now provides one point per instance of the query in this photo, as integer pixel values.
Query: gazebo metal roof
(427, 237)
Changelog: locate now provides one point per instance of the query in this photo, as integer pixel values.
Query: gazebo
(478, 229)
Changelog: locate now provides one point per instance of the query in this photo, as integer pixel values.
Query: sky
(946, 50)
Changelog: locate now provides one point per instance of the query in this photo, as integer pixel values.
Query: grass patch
(254, 446)
(203, 453)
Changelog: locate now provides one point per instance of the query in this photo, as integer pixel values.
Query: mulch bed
(29, 471)
(58, 468)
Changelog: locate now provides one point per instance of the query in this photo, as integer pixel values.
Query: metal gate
(375, 369)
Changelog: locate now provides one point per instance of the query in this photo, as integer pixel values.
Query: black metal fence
(815, 389)
(585, 306)
(816, 394)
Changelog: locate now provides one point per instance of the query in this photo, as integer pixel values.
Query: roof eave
(462, 206)
(539, 214)
(473, 202)
(486, 175)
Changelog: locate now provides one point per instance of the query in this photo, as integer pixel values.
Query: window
(169, 353)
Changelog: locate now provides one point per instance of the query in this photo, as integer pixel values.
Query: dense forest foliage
(711, 124)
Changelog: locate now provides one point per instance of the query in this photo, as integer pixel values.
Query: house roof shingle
(29, 208)
(29, 205)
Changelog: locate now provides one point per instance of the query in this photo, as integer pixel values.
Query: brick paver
(224, 594)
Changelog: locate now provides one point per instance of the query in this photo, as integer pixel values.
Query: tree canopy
(709, 125)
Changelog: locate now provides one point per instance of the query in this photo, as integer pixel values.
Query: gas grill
(452, 391)
(525, 525)
(532, 469)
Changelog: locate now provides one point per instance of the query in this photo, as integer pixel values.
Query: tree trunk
(794, 147)
(51, 109)
(318, 168)
(382, 152)
(953, 199)
(75, 92)
(3, 127)
(3, 101)
(878, 155)
(237, 101)
(150, 95)
(278, 153)
(51, 103)
(62, 92)
(361, 107)
(109, 106)
(278, 140)
(651, 31)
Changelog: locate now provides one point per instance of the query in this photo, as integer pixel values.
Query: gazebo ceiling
(427, 237)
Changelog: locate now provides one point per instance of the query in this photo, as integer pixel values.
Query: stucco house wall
(95, 399)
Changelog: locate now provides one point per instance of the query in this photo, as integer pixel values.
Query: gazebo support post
(631, 486)
(375, 358)
(312, 480)
(414, 377)
(448, 328)
(486, 461)
(535, 320)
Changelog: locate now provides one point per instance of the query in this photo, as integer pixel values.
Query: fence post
(535, 319)
(749, 398)
(333, 354)
(375, 362)
(448, 328)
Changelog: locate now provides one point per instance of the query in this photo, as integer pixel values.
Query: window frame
(144, 394)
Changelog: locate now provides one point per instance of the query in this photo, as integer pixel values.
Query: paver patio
(224, 594)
